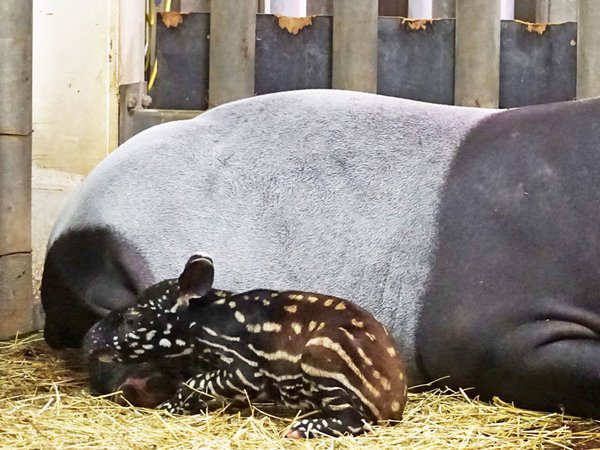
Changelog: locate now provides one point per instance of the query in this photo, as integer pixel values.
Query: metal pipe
(16, 299)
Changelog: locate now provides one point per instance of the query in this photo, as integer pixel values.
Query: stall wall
(75, 89)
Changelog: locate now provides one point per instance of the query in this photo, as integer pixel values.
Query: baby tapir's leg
(332, 370)
(195, 395)
(338, 415)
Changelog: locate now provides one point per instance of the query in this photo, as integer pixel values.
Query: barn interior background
(79, 77)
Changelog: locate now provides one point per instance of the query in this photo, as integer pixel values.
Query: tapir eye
(129, 321)
(106, 356)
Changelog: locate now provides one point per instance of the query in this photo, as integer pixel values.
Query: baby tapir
(146, 384)
(301, 350)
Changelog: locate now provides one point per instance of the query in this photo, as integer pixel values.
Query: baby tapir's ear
(196, 279)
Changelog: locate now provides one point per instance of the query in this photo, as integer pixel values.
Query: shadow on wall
(50, 191)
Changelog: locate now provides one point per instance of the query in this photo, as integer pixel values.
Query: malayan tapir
(471, 234)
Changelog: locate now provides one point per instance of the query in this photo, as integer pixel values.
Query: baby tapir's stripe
(303, 350)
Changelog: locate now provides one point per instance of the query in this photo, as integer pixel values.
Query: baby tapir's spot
(300, 350)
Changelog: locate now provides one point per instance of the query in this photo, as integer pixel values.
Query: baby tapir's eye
(105, 356)
(130, 319)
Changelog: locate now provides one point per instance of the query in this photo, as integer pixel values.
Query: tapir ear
(197, 278)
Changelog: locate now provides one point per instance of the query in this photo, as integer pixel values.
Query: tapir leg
(551, 363)
(564, 374)
(87, 274)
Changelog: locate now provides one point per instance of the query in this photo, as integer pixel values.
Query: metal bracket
(134, 115)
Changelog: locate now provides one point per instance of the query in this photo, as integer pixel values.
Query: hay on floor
(45, 404)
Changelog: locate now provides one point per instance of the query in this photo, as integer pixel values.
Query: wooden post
(442, 9)
(16, 299)
(354, 63)
(319, 7)
(588, 49)
(553, 11)
(232, 50)
(477, 53)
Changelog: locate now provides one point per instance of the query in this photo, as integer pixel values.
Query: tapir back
(326, 191)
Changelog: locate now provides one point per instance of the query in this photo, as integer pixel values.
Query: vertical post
(588, 49)
(132, 87)
(354, 62)
(319, 7)
(16, 299)
(477, 53)
(553, 11)
(203, 6)
(232, 50)
(442, 9)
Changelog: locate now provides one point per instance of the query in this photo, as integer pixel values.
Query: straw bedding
(46, 405)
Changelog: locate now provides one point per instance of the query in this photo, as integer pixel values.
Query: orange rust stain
(538, 28)
(293, 24)
(416, 24)
(172, 19)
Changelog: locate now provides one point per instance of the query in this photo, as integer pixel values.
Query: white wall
(75, 89)
(290, 8)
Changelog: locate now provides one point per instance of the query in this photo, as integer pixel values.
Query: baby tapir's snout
(302, 350)
(143, 384)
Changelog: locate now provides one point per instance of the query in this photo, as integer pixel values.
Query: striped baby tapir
(144, 384)
(303, 351)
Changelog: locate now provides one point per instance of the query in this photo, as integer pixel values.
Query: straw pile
(45, 405)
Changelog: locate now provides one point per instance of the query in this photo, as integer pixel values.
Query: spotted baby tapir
(145, 383)
(305, 351)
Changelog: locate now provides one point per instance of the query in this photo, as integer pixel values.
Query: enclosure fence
(210, 53)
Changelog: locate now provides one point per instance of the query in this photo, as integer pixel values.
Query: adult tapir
(474, 235)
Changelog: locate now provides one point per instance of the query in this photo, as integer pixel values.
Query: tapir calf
(472, 235)
(146, 384)
(308, 352)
